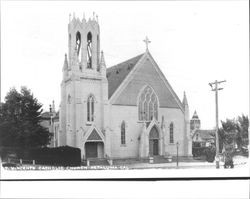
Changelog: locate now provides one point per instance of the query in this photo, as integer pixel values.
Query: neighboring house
(50, 120)
(200, 137)
(126, 111)
(204, 137)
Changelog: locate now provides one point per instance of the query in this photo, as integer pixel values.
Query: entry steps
(98, 162)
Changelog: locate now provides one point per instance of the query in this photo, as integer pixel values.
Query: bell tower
(84, 78)
(84, 44)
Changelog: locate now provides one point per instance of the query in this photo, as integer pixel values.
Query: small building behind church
(124, 111)
(200, 137)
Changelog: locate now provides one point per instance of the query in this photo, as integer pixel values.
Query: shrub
(198, 151)
(60, 156)
(210, 153)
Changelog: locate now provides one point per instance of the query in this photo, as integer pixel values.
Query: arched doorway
(154, 142)
(94, 149)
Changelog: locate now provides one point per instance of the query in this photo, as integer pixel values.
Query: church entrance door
(94, 149)
(91, 149)
(154, 142)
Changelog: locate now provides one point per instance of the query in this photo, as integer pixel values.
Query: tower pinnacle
(184, 101)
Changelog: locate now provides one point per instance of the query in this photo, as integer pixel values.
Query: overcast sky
(193, 42)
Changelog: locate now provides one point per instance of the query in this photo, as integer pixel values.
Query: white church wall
(177, 117)
(133, 129)
(130, 115)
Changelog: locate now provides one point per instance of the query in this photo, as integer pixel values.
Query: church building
(125, 111)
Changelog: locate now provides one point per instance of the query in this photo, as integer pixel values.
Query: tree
(234, 131)
(20, 118)
(243, 125)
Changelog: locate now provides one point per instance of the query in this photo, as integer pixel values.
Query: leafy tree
(234, 131)
(20, 118)
(243, 125)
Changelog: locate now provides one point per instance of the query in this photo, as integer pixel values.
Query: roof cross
(147, 41)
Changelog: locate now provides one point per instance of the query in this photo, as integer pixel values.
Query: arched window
(171, 132)
(78, 45)
(148, 105)
(123, 133)
(98, 53)
(90, 108)
(69, 99)
(89, 50)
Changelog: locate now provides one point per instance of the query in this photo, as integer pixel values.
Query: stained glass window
(148, 105)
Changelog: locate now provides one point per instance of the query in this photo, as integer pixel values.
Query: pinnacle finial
(65, 65)
(102, 62)
(69, 17)
(184, 102)
(83, 17)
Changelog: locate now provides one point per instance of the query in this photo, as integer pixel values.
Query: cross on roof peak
(147, 41)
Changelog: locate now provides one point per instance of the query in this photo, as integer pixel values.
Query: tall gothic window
(89, 50)
(123, 133)
(90, 108)
(171, 132)
(98, 53)
(78, 45)
(148, 105)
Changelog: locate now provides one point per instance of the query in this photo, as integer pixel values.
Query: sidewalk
(182, 165)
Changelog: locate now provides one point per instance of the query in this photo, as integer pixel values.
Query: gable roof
(205, 134)
(116, 74)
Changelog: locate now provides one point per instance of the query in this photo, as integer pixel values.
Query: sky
(193, 42)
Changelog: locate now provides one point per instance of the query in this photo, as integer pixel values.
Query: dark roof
(116, 74)
(46, 115)
(205, 134)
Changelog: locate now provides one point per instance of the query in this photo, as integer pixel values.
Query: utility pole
(215, 88)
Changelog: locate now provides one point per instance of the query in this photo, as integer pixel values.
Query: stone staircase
(98, 162)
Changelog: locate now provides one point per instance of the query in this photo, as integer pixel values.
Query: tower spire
(184, 101)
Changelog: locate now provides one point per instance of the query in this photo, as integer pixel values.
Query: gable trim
(90, 131)
(166, 82)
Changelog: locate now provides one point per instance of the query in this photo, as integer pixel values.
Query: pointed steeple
(65, 64)
(195, 115)
(184, 101)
